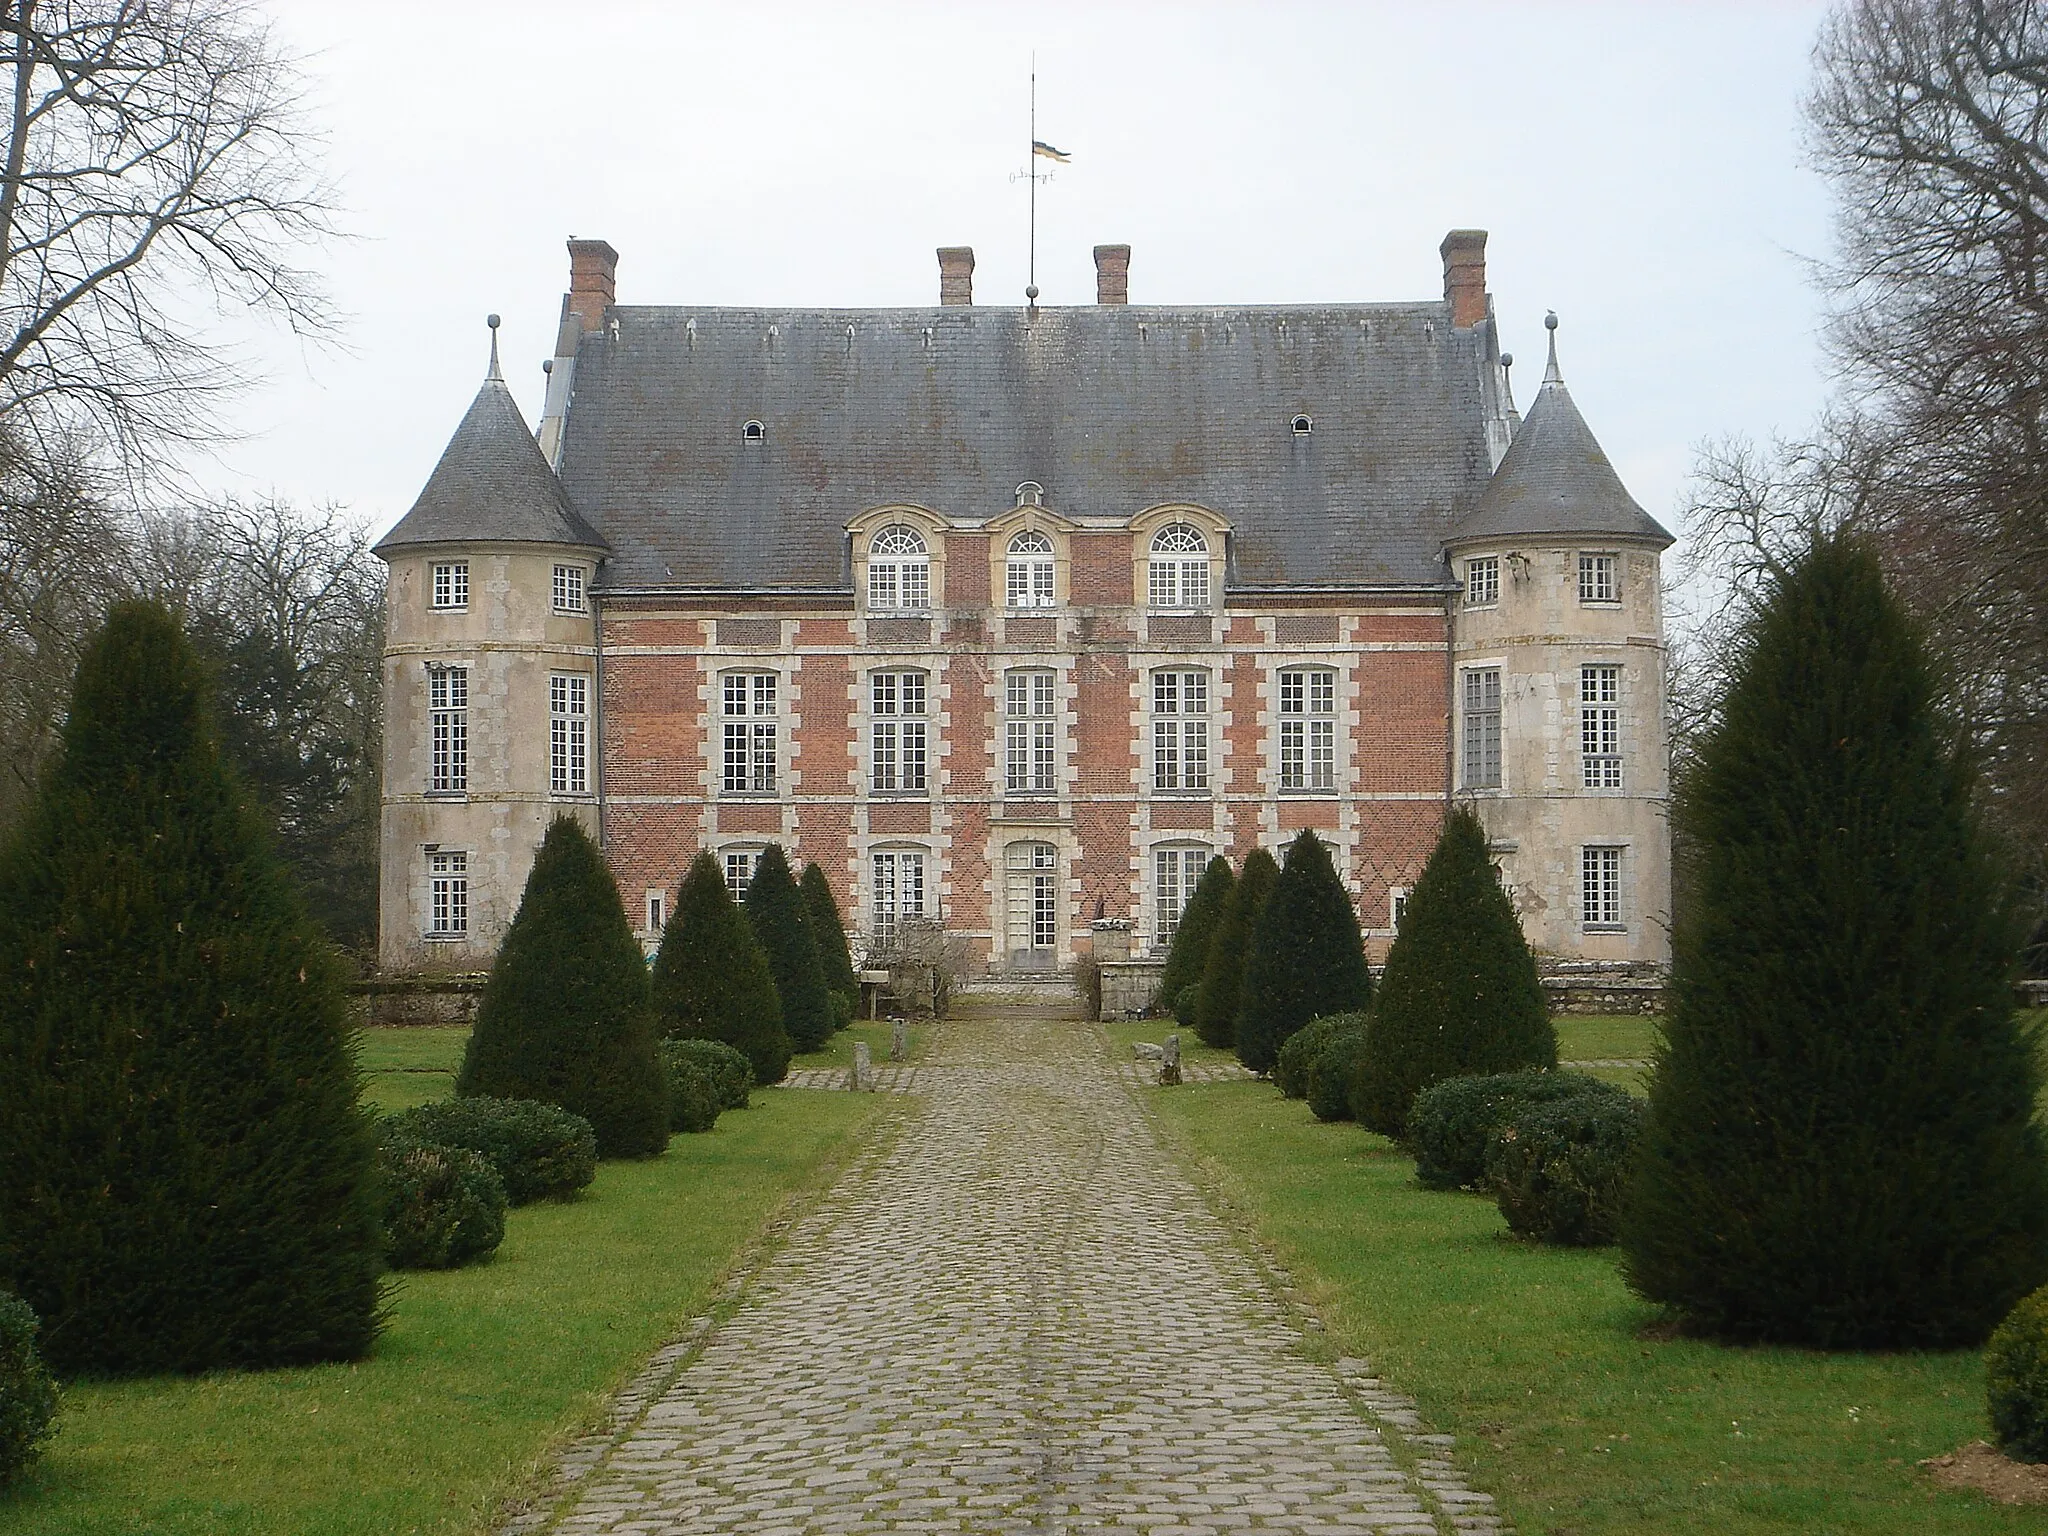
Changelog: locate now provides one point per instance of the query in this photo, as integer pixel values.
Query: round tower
(1558, 658)
(490, 688)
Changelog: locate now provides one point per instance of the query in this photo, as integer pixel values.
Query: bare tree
(926, 962)
(156, 167)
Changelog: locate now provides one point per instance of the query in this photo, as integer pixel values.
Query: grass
(1537, 1359)
(482, 1370)
(838, 1051)
(1605, 1037)
(404, 1067)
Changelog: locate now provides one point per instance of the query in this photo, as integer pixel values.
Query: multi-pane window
(1028, 582)
(448, 728)
(447, 895)
(451, 584)
(569, 733)
(569, 589)
(1308, 729)
(1482, 728)
(899, 569)
(1180, 567)
(750, 733)
(1600, 887)
(739, 871)
(1597, 579)
(896, 729)
(1600, 727)
(898, 891)
(1175, 873)
(1030, 733)
(1180, 730)
(1482, 581)
(1397, 906)
(657, 910)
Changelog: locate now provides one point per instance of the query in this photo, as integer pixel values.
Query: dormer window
(899, 569)
(1180, 567)
(1303, 426)
(1029, 580)
(753, 432)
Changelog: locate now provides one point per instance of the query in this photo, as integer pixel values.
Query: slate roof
(1556, 480)
(493, 483)
(1112, 409)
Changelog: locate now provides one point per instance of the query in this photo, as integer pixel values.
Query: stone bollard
(862, 1078)
(899, 1040)
(1169, 1062)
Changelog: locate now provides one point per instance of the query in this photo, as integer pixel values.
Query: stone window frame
(1603, 879)
(1189, 726)
(448, 586)
(729, 857)
(654, 910)
(1045, 725)
(448, 901)
(448, 728)
(778, 774)
(1590, 566)
(1603, 723)
(1180, 844)
(1482, 581)
(570, 589)
(1030, 571)
(569, 733)
(1309, 719)
(899, 722)
(1466, 778)
(880, 933)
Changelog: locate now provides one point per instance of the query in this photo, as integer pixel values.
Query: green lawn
(838, 1051)
(1537, 1360)
(1604, 1037)
(481, 1371)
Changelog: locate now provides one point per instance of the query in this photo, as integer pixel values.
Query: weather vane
(1032, 174)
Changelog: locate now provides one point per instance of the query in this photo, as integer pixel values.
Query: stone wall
(411, 1001)
(1129, 986)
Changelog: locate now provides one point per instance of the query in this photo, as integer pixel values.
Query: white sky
(1637, 164)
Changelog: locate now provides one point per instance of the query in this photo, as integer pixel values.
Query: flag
(1040, 147)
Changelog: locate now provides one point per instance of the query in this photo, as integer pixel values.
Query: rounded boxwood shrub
(443, 1206)
(692, 1091)
(541, 1151)
(732, 1077)
(28, 1397)
(1290, 1069)
(1558, 1169)
(2016, 1379)
(1452, 1121)
(1331, 1069)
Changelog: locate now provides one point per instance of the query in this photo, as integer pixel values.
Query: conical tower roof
(1555, 479)
(493, 484)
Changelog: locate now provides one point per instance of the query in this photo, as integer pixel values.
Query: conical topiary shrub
(186, 1179)
(828, 932)
(1307, 957)
(711, 979)
(1223, 970)
(775, 908)
(565, 1017)
(1841, 1148)
(1189, 951)
(1459, 997)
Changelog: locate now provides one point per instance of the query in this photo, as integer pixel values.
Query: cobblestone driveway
(1021, 1317)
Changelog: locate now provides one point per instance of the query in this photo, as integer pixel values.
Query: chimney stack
(956, 274)
(1112, 274)
(593, 281)
(1464, 254)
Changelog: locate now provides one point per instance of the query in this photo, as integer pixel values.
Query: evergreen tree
(1189, 951)
(775, 907)
(828, 931)
(565, 1018)
(188, 1176)
(711, 979)
(1841, 1148)
(1459, 997)
(1223, 969)
(1307, 957)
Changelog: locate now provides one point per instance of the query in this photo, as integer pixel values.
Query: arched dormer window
(1180, 567)
(899, 569)
(1029, 582)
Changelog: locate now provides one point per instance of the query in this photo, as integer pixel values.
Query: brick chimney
(956, 274)
(593, 281)
(1464, 254)
(1112, 274)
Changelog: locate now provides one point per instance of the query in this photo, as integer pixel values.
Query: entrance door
(1031, 905)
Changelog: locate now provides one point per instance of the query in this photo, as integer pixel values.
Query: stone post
(899, 1040)
(862, 1078)
(1169, 1062)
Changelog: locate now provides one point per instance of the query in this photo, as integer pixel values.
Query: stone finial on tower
(956, 274)
(492, 322)
(1464, 254)
(593, 281)
(1550, 371)
(1112, 274)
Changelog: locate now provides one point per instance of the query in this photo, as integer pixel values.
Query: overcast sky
(1638, 166)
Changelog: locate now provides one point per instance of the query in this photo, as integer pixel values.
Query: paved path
(1020, 1317)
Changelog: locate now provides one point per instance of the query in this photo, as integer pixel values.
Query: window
(569, 733)
(1308, 729)
(899, 569)
(1397, 906)
(753, 432)
(1302, 426)
(1030, 746)
(1180, 567)
(898, 892)
(451, 585)
(1029, 584)
(1180, 730)
(739, 871)
(1175, 873)
(448, 895)
(569, 589)
(1600, 727)
(1600, 887)
(750, 733)
(1597, 579)
(1031, 903)
(1482, 581)
(448, 716)
(657, 911)
(896, 707)
(1482, 728)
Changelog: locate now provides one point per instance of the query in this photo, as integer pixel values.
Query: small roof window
(753, 432)
(1303, 426)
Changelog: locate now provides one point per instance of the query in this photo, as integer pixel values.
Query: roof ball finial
(1550, 373)
(492, 322)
